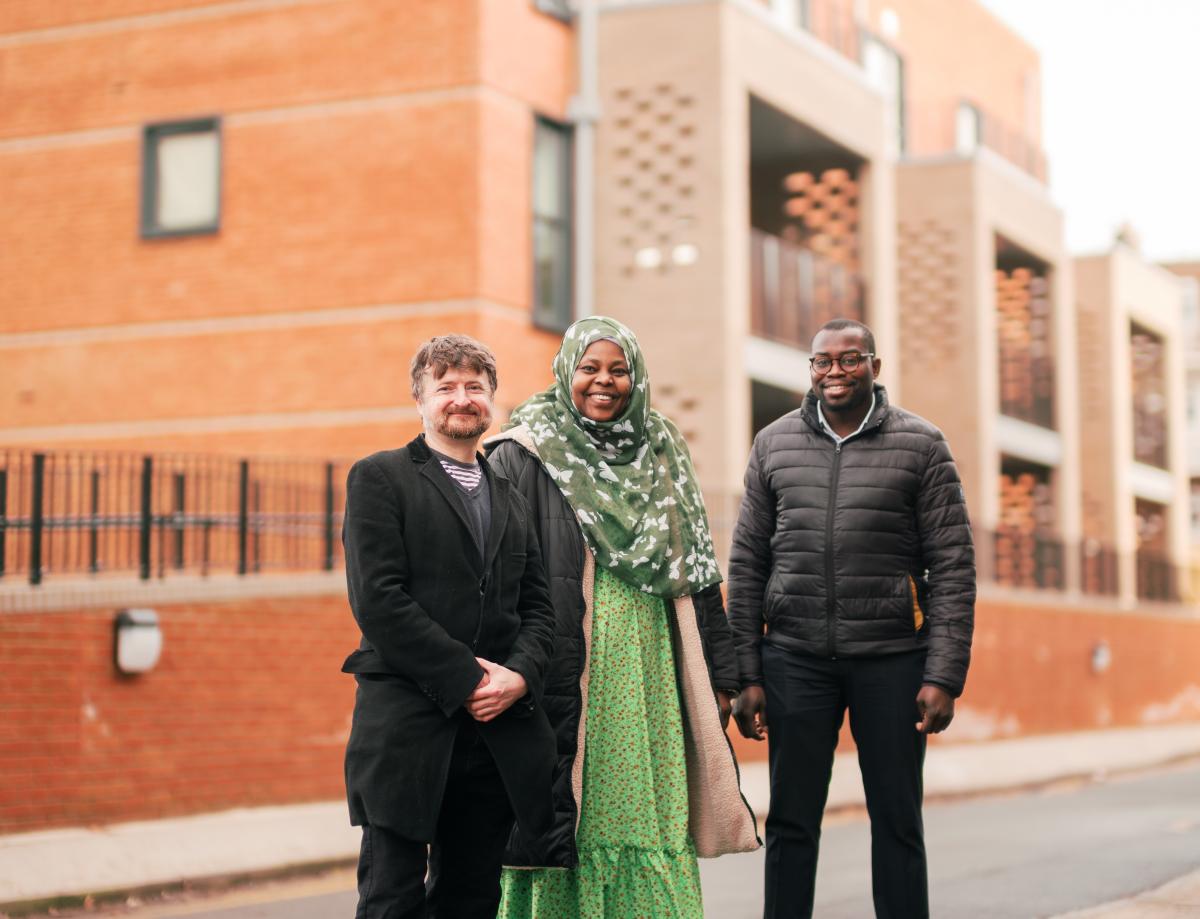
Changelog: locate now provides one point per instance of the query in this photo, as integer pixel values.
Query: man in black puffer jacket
(851, 586)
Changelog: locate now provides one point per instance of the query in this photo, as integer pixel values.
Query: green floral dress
(636, 858)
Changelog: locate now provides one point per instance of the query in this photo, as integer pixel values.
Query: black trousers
(807, 698)
(464, 858)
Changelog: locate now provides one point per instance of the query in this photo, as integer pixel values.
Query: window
(968, 128)
(792, 13)
(552, 237)
(181, 178)
(560, 9)
(1196, 508)
(885, 70)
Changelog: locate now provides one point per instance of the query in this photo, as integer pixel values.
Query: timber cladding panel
(247, 706)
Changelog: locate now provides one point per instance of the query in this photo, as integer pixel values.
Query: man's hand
(936, 708)
(750, 711)
(725, 704)
(496, 692)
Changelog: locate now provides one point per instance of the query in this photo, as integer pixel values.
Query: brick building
(230, 224)
(1190, 273)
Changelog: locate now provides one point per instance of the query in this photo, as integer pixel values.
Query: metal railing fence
(93, 513)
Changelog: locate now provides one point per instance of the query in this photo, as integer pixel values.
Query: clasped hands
(496, 692)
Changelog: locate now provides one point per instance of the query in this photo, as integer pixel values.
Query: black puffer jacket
(563, 554)
(833, 541)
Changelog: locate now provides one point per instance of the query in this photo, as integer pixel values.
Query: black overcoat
(428, 605)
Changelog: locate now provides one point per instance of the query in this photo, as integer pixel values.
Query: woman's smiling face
(602, 383)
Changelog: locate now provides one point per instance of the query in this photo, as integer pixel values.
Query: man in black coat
(449, 741)
(851, 587)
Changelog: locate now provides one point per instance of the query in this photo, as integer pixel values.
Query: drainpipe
(584, 111)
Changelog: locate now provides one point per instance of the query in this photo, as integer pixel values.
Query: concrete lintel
(1022, 440)
(1151, 483)
(72, 593)
(776, 365)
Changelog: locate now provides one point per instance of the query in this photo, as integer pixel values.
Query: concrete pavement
(1179, 898)
(76, 862)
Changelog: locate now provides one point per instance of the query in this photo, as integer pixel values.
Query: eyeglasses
(849, 361)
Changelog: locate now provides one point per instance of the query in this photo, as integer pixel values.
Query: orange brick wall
(319, 213)
(246, 707)
(959, 51)
(280, 370)
(1031, 674)
(376, 156)
(22, 15)
(235, 60)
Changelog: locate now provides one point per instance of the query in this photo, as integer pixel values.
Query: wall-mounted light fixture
(137, 640)
(1101, 657)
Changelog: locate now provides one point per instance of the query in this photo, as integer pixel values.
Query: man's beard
(449, 425)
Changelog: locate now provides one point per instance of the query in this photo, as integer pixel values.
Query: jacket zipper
(830, 588)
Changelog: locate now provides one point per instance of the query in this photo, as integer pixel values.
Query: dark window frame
(554, 317)
(152, 134)
(558, 9)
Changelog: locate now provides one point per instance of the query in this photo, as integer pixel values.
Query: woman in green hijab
(643, 673)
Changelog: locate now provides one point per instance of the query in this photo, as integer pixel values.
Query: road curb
(149, 892)
(1174, 899)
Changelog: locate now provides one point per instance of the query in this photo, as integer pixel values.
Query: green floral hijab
(630, 481)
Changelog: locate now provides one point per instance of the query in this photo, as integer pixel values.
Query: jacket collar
(498, 486)
(808, 411)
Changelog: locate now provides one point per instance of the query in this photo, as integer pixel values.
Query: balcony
(794, 290)
(805, 234)
(1024, 331)
(966, 127)
(1012, 145)
(1025, 553)
(1019, 558)
(1156, 575)
(1098, 569)
(1148, 354)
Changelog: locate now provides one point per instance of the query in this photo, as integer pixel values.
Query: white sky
(1120, 116)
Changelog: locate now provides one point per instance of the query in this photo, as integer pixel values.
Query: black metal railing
(1098, 569)
(76, 513)
(1015, 557)
(1156, 577)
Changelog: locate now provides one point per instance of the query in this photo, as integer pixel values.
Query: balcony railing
(1156, 577)
(965, 126)
(92, 514)
(1017, 558)
(1098, 570)
(794, 291)
(1012, 145)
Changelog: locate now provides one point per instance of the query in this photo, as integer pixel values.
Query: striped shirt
(475, 494)
(466, 477)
